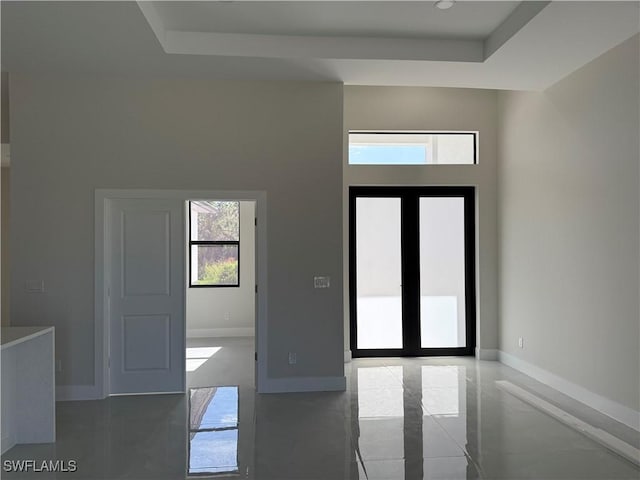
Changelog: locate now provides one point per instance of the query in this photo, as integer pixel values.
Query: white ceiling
(476, 44)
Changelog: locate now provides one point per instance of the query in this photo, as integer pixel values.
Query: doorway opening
(141, 282)
(220, 299)
(412, 271)
(220, 314)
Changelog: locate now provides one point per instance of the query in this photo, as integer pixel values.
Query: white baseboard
(615, 410)
(303, 384)
(137, 394)
(486, 354)
(622, 448)
(7, 442)
(220, 332)
(77, 392)
(347, 356)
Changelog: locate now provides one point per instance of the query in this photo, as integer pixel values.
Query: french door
(412, 271)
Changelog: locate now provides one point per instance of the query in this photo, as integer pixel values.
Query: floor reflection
(444, 390)
(399, 419)
(398, 433)
(213, 430)
(380, 416)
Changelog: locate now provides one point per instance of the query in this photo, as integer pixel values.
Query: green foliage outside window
(215, 235)
(218, 221)
(220, 273)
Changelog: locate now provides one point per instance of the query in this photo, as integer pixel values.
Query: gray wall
(569, 230)
(228, 309)
(410, 108)
(4, 107)
(73, 135)
(4, 232)
(4, 177)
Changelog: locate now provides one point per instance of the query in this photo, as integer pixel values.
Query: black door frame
(410, 256)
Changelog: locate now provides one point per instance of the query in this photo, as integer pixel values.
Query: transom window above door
(412, 148)
(214, 243)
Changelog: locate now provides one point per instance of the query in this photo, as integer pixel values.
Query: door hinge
(109, 362)
(256, 355)
(256, 222)
(256, 288)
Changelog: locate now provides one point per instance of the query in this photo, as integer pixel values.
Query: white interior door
(146, 296)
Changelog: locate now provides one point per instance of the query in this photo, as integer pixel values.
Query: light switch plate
(321, 282)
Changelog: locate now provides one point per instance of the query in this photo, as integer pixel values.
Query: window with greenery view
(214, 243)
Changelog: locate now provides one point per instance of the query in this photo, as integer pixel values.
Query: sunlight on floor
(196, 356)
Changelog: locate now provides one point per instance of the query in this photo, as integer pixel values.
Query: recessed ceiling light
(444, 4)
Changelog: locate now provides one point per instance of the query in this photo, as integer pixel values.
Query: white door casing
(105, 203)
(145, 296)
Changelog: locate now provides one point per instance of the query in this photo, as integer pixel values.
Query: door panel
(147, 296)
(141, 330)
(442, 272)
(379, 273)
(145, 245)
(412, 271)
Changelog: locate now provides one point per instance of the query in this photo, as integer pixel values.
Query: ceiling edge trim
(318, 47)
(154, 20)
(522, 15)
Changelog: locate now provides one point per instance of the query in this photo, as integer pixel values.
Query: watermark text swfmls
(63, 466)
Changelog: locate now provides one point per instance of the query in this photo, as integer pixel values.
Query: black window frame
(213, 243)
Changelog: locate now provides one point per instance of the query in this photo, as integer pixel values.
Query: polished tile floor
(411, 419)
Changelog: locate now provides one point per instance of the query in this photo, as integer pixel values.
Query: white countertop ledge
(10, 336)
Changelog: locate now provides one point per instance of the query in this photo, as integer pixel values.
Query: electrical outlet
(520, 342)
(227, 316)
(34, 286)
(293, 358)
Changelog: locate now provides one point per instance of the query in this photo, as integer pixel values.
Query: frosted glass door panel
(442, 272)
(379, 273)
